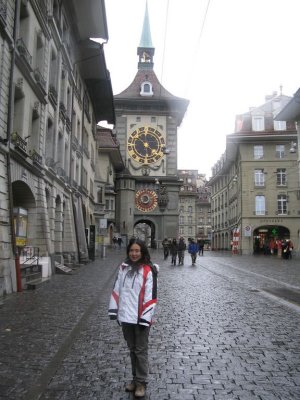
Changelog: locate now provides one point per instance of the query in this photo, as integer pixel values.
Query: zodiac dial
(146, 200)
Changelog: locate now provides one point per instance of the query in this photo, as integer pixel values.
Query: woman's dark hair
(144, 249)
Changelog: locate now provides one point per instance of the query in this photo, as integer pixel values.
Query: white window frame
(280, 151)
(260, 205)
(282, 204)
(258, 123)
(259, 177)
(281, 177)
(279, 125)
(258, 152)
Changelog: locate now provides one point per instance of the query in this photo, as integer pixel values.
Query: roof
(291, 111)
(160, 96)
(146, 40)
(92, 11)
(107, 143)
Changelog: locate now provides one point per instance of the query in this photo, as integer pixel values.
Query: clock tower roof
(145, 86)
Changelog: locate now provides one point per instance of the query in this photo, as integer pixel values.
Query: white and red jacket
(134, 295)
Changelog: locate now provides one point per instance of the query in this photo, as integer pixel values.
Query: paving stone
(216, 335)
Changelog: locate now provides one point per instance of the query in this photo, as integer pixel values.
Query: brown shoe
(130, 387)
(140, 390)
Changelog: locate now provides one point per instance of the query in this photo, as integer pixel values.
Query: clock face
(145, 145)
(146, 200)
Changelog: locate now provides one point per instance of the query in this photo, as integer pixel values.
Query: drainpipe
(10, 113)
(70, 175)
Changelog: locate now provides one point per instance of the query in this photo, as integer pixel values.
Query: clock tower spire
(145, 51)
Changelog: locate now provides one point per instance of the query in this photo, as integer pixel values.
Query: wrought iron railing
(39, 78)
(23, 51)
(36, 157)
(29, 255)
(3, 12)
(19, 142)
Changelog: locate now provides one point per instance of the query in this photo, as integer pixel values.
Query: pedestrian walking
(181, 249)
(200, 243)
(115, 241)
(120, 241)
(193, 250)
(174, 251)
(133, 303)
(166, 245)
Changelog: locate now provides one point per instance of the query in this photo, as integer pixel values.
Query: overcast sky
(224, 63)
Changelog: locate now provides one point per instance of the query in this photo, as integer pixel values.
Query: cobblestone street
(223, 330)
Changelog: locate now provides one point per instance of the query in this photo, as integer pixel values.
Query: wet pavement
(227, 328)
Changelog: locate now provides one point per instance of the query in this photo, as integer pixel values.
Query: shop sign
(247, 231)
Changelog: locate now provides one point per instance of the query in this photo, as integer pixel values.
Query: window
(190, 209)
(258, 152)
(181, 219)
(279, 125)
(282, 204)
(281, 177)
(181, 230)
(153, 119)
(106, 205)
(260, 205)
(259, 177)
(181, 209)
(84, 178)
(258, 123)
(100, 195)
(190, 221)
(146, 89)
(280, 151)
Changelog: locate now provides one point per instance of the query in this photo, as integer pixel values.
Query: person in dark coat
(181, 249)
(193, 250)
(174, 251)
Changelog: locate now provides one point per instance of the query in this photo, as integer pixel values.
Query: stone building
(147, 118)
(194, 206)
(109, 164)
(54, 88)
(187, 209)
(255, 185)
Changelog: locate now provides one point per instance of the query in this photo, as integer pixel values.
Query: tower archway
(144, 229)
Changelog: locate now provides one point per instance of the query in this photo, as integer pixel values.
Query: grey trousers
(137, 342)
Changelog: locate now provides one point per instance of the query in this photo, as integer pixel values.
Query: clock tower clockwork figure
(147, 118)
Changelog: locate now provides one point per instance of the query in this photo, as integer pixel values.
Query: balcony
(86, 151)
(43, 8)
(52, 94)
(39, 79)
(19, 142)
(36, 157)
(23, 51)
(3, 13)
(62, 111)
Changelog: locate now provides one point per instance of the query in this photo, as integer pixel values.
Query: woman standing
(132, 303)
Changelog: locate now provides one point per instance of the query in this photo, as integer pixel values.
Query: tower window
(146, 89)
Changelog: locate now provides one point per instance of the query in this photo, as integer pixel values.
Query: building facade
(194, 206)
(54, 89)
(255, 185)
(147, 118)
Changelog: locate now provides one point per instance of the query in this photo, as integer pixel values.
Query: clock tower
(147, 118)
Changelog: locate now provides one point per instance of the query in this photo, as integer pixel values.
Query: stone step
(34, 284)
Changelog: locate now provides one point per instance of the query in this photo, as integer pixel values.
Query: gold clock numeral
(145, 144)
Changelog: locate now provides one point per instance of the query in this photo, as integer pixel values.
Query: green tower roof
(146, 40)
